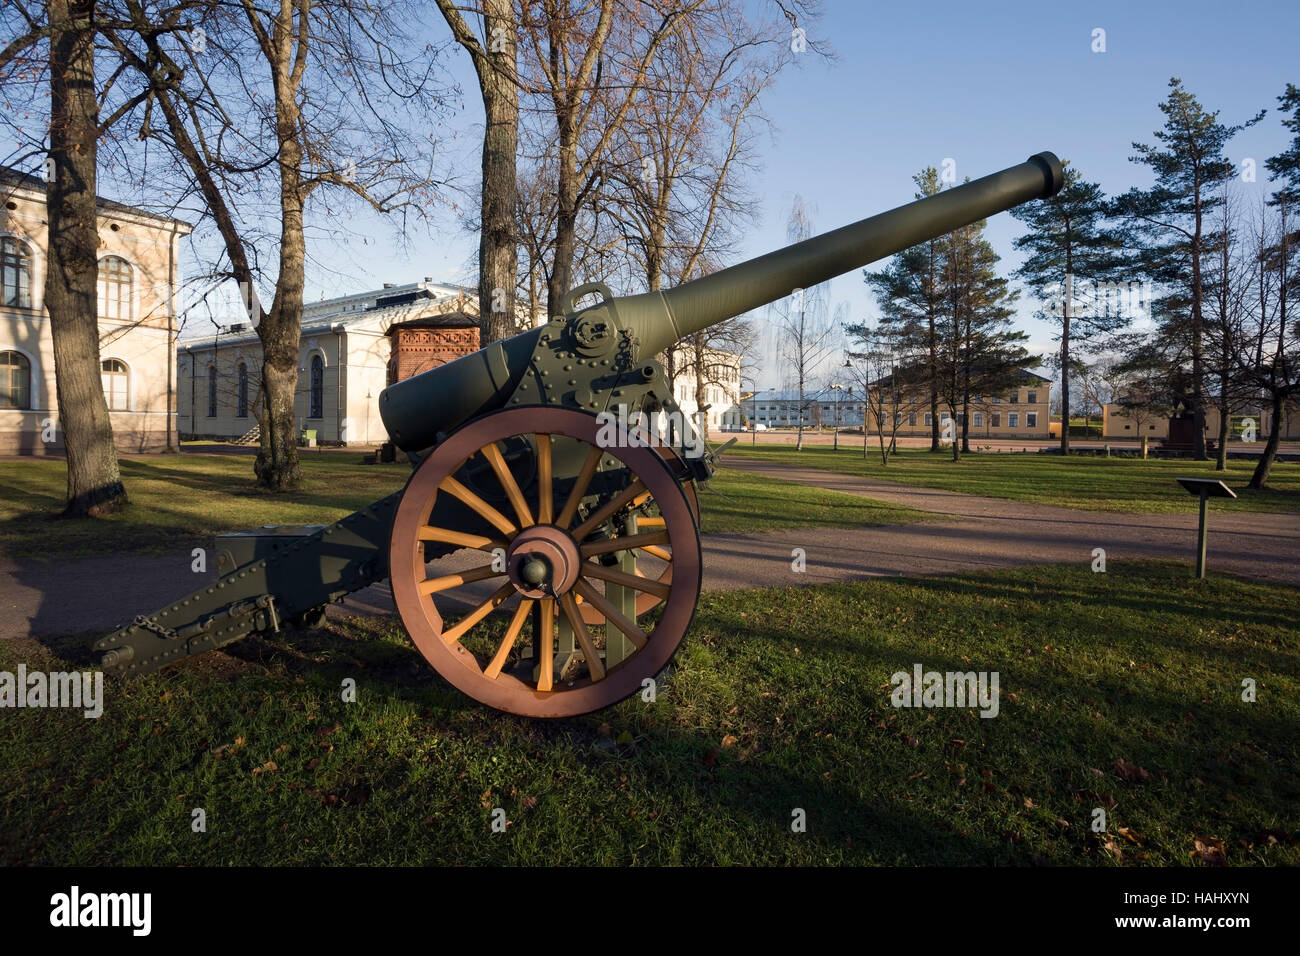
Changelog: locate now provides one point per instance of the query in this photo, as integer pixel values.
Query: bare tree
(806, 333)
(271, 106)
(493, 50)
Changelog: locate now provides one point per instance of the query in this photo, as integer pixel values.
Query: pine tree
(908, 294)
(1073, 254)
(1169, 219)
(979, 350)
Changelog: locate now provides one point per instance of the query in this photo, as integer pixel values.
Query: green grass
(736, 501)
(1090, 483)
(778, 700)
(177, 500)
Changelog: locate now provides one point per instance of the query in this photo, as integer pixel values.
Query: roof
(447, 320)
(17, 179)
(1021, 375)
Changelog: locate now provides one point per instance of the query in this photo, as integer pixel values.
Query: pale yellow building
(1119, 423)
(1019, 412)
(139, 272)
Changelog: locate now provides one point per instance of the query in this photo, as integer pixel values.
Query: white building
(722, 394)
(344, 362)
(138, 269)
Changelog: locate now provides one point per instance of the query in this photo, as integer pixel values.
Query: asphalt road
(966, 532)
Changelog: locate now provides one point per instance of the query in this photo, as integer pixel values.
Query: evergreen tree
(1170, 219)
(908, 294)
(1073, 256)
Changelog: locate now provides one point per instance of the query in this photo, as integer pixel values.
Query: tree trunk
(1065, 360)
(498, 254)
(1225, 427)
(566, 217)
(280, 330)
(1198, 359)
(72, 268)
(1259, 480)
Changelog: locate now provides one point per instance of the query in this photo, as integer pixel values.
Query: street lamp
(839, 391)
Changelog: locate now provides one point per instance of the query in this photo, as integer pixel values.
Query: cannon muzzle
(417, 410)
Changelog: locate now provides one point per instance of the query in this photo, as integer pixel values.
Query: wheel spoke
(545, 674)
(612, 614)
(545, 492)
(434, 585)
(614, 576)
(580, 485)
(655, 521)
(628, 541)
(459, 538)
(661, 553)
(493, 454)
(473, 617)
(479, 506)
(619, 502)
(508, 642)
(595, 666)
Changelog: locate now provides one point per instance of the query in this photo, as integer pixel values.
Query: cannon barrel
(482, 382)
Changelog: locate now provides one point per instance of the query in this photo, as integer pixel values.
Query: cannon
(544, 554)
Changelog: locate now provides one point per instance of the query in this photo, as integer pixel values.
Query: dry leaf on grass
(1130, 771)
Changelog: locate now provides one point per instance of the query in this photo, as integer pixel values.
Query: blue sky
(986, 84)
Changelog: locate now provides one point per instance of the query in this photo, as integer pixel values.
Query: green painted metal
(596, 358)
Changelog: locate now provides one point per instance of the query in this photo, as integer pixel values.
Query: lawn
(1090, 483)
(1118, 691)
(178, 500)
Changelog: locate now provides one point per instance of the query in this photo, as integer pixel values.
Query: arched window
(241, 391)
(15, 380)
(115, 280)
(212, 391)
(15, 273)
(317, 409)
(114, 375)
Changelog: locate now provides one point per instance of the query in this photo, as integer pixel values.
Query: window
(1032, 398)
(113, 374)
(911, 419)
(15, 273)
(944, 418)
(1127, 427)
(995, 419)
(979, 419)
(1013, 419)
(15, 380)
(317, 409)
(241, 391)
(1031, 419)
(212, 391)
(997, 399)
(898, 419)
(929, 420)
(115, 281)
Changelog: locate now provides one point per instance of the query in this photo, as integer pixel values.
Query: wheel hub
(543, 561)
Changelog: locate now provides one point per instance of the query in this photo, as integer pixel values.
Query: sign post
(1204, 488)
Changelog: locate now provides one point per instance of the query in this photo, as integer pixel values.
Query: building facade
(722, 394)
(1118, 422)
(1022, 411)
(138, 273)
(352, 347)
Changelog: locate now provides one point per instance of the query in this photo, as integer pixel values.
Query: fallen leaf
(1209, 851)
(1130, 771)
(269, 767)
(624, 739)
(1111, 847)
(730, 740)
(528, 803)
(1128, 834)
(1029, 804)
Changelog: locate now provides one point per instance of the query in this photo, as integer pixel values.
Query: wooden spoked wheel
(538, 551)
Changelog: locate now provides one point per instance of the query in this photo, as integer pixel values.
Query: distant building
(779, 408)
(722, 395)
(352, 347)
(1118, 422)
(139, 256)
(1022, 411)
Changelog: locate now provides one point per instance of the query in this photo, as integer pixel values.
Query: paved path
(966, 533)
